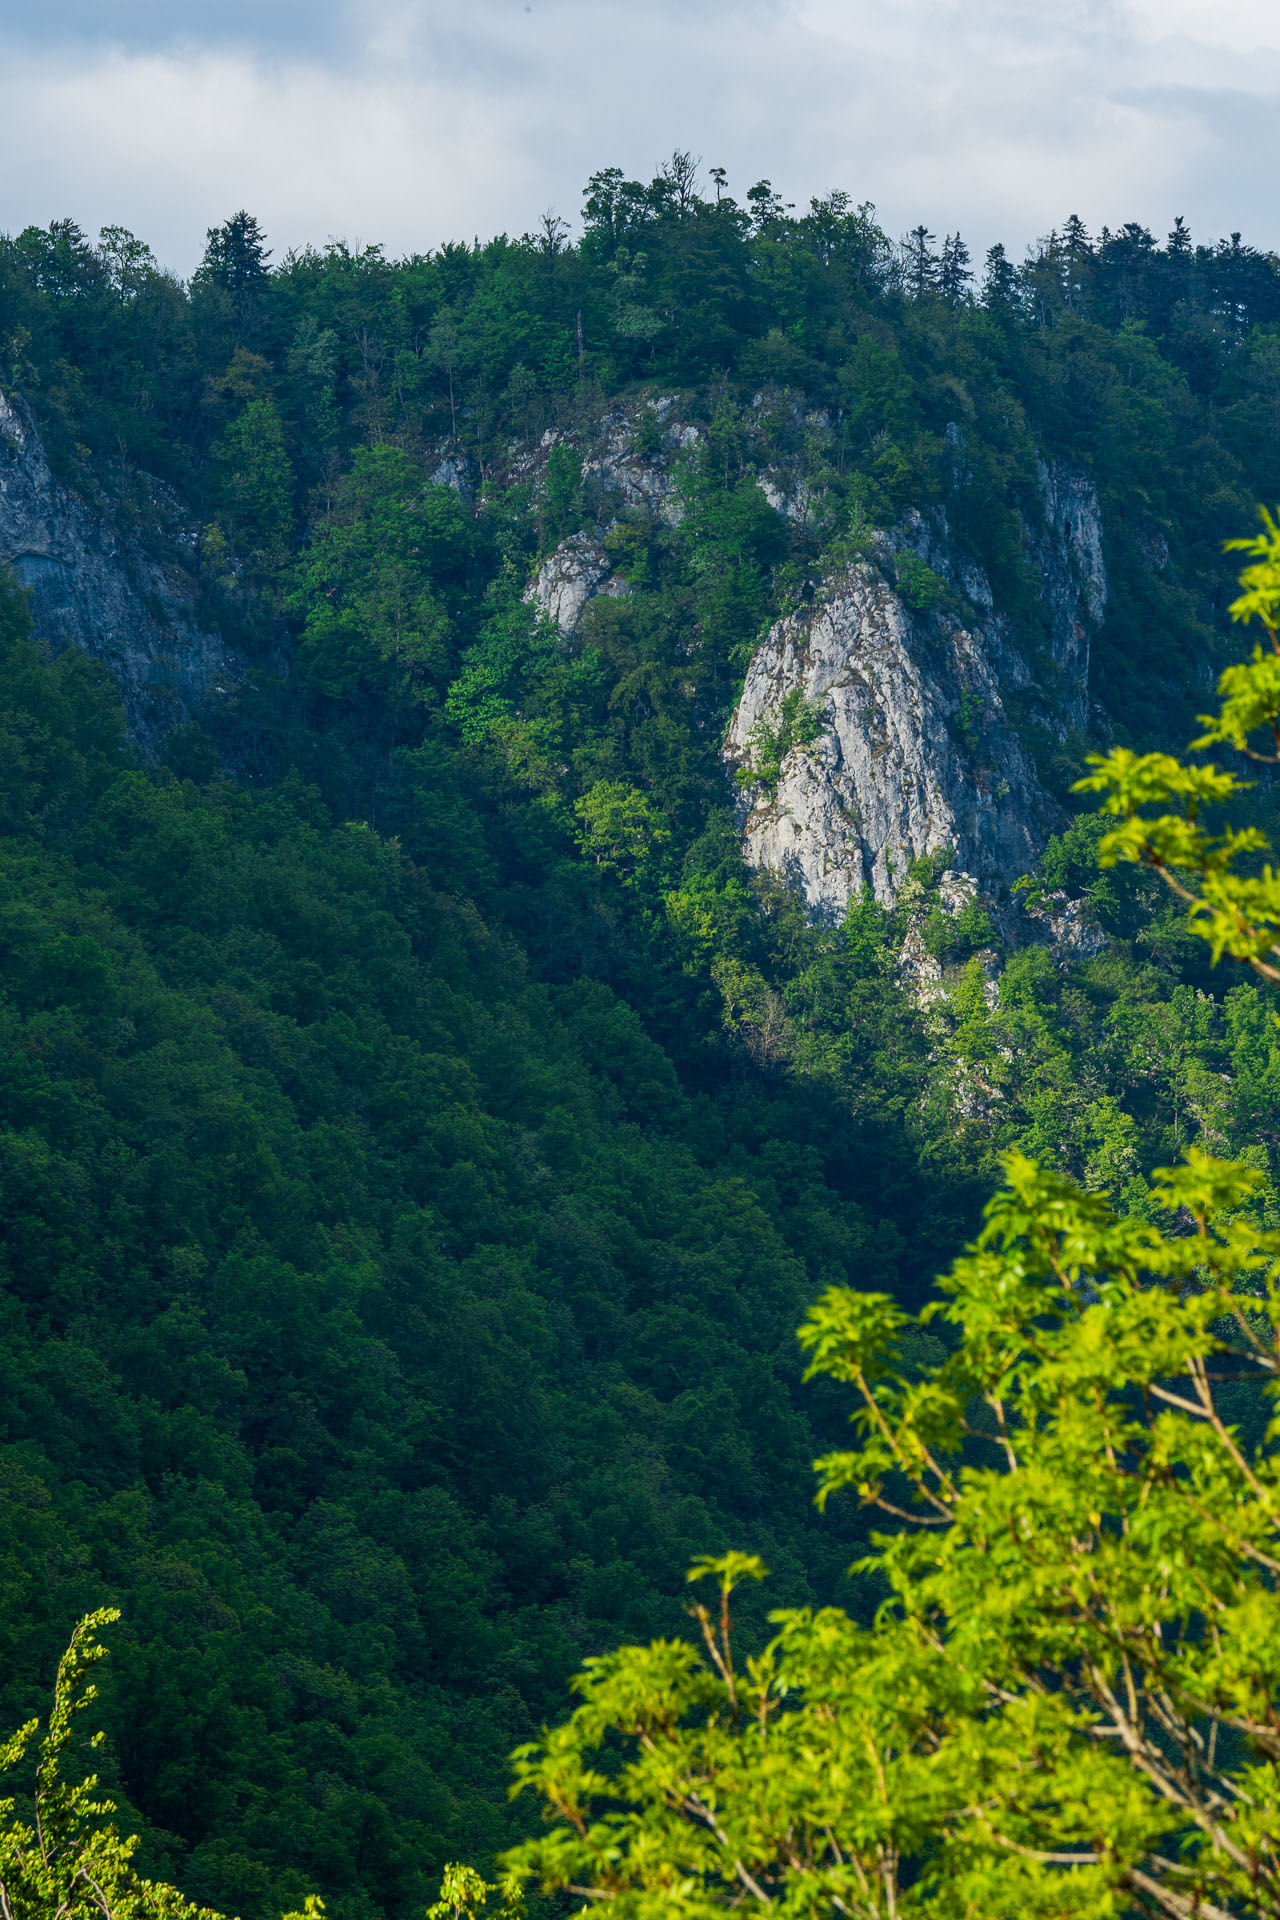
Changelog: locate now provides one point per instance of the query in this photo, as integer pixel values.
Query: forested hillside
(422, 1131)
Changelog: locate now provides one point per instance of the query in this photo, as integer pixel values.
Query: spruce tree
(1000, 283)
(920, 263)
(955, 276)
(236, 254)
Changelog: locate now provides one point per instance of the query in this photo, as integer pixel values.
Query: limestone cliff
(908, 745)
(906, 672)
(95, 587)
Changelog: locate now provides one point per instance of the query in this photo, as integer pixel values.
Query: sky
(413, 122)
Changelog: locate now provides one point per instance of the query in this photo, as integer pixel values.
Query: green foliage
(1260, 600)
(561, 505)
(1070, 860)
(379, 585)
(617, 826)
(70, 1861)
(968, 716)
(388, 1313)
(1236, 912)
(463, 1894)
(950, 936)
(514, 648)
(918, 584)
(797, 723)
(255, 487)
(1065, 1703)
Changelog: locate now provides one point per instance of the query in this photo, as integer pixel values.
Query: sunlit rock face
(95, 587)
(915, 752)
(577, 571)
(911, 746)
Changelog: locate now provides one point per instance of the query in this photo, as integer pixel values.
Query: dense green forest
(422, 1134)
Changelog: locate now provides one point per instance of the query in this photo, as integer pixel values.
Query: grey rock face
(919, 973)
(1070, 925)
(787, 486)
(912, 748)
(92, 587)
(628, 460)
(452, 471)
(795, 504)
(1068, 558)
(616, 468)
(576, 572)
(915, 752)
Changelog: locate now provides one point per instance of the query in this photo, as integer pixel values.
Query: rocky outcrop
(579, 570)
(93, 586)
(795, 503)
(905, 679)
(628, 460)
(453, 471)
(1069, 926)
(631, 463)
(914, 751)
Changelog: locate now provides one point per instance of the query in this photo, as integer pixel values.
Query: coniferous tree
(1244, 284)
(1077, 256)
(1000, 283)
(1043, 280)
(920, 263)
(955, 275)
(236, 254)
(1075, 235)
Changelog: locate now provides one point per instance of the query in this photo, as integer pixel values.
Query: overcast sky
(416, 121)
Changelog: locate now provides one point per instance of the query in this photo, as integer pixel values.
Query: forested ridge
(422, 1134)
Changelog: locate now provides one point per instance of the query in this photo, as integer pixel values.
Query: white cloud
(435, 121)
(1242, 26)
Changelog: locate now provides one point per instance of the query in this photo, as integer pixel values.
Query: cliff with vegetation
(875, 726)
(517, 763)
(93, 584)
